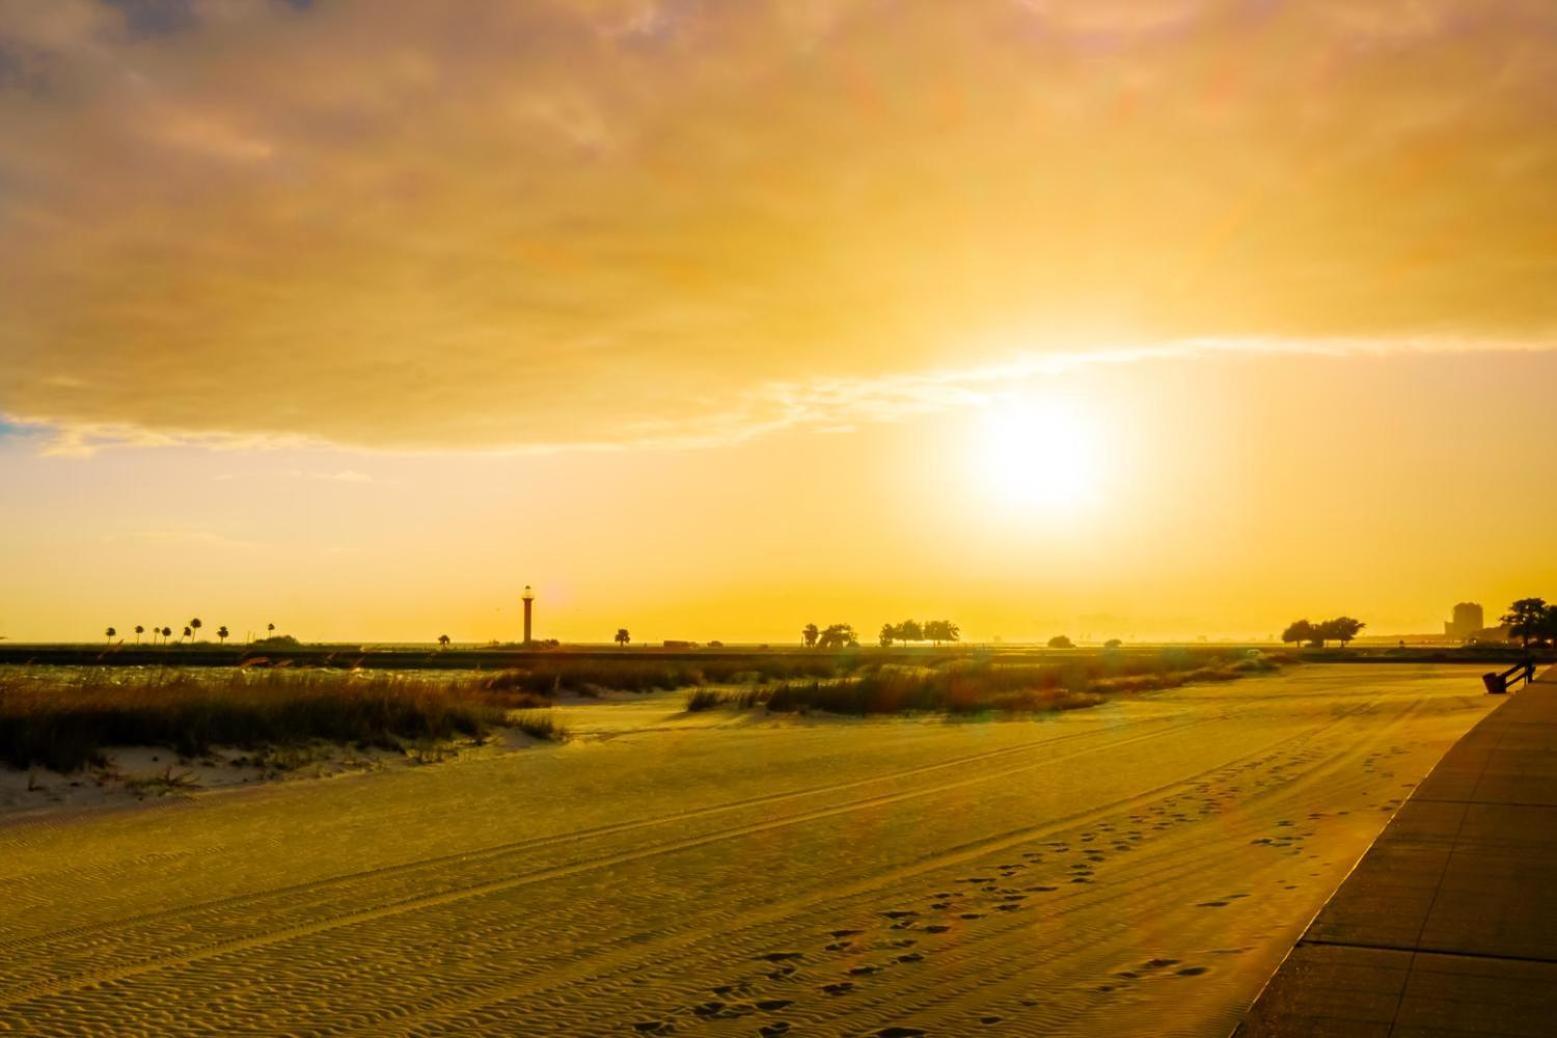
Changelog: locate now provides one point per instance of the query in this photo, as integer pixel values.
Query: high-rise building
(1469, 620)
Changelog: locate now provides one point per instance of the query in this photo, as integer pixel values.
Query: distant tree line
(191, 629)
(1342, 629)
(936, 631)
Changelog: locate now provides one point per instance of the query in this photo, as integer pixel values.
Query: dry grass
(978, 686)
(556, 675)
(63, 720)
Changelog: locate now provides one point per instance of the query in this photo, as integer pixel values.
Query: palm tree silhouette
(622, 637)
(221, 634)
(139, 630)
(195, 625)
(167, 632)
(110, 633)
(443, 641)
(270, 630)
(188, 633)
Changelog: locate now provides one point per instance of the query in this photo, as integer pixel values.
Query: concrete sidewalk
(1448, 925)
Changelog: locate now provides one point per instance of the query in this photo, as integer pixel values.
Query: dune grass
(65, 720)
(591, 677)
(967, 686)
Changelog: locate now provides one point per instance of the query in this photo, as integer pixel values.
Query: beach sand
(1135, 869)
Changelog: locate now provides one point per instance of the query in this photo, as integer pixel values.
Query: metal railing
(1500, 683)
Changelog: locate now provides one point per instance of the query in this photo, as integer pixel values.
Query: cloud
(612, 222)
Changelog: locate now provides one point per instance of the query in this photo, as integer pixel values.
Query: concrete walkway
(1448, 925)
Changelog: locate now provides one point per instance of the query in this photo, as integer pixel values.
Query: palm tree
(139, 630)
(622, 637)
(443, 641)
(188, 633)
(270, 630)
(167, 632)
(221, 634)
(195, 625)
(110, 633)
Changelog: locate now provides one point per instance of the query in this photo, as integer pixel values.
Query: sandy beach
(1135, 869)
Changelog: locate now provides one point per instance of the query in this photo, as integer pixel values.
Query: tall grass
(976, 686)
(64, 721)
(556, 675)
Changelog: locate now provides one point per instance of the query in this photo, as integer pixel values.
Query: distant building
(1467, 623)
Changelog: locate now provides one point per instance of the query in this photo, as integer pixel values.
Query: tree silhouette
(221, 634)
(888, 632)
(270, 630)
(810, 634)
(1343, 629)
(188, 633)
(939, 631)
(1060, 641)
(443, 641)
(910, 631)
(110, 633)
(1113, 643)
(837, 636)
(195, 626)
(1299, 631)
(139, 630)
(1527, 618)
(167, 632)
(623, 637)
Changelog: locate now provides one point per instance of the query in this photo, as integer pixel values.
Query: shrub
(64, 721)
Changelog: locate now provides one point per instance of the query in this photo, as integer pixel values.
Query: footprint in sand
(721, 1010)
(783, 956)
(1212, 904)
(842, 987)
(911, 957)
(845, 933)
(838, 946)
(774, 1030)
(782, 973)
(864, 971)
(899, 1032)
(970, 915)
(773, 1005)
(1193, 971)
(654, 1027)
(937, 928)
(989, 1021)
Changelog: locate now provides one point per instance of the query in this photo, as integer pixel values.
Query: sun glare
(1040, 456)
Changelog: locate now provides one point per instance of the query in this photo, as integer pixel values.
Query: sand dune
(1134, 869)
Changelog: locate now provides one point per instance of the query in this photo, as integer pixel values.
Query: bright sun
(1039, 455)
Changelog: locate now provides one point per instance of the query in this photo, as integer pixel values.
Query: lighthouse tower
(529, 605)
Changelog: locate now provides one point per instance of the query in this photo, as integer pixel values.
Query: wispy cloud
(822, 403)
(626, 222)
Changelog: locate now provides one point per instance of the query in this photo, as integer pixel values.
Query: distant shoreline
(414, 658)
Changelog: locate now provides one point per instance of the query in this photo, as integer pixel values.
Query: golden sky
(1153, 318)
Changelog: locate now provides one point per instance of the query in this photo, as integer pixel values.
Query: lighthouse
(529, 605)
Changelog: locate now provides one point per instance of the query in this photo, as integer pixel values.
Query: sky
(1148, 319)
